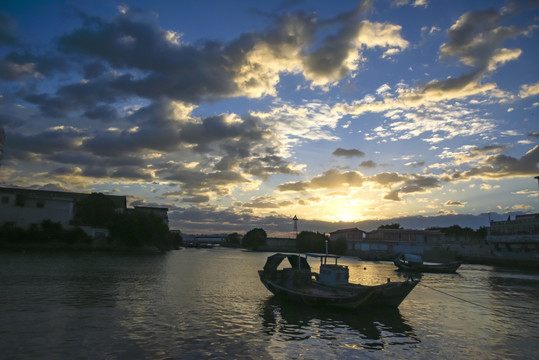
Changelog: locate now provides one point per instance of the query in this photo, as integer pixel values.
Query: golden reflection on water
(210, 304)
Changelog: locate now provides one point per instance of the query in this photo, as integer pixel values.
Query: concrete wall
(25, 211)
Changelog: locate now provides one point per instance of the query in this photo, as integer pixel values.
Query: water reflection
(368, 329)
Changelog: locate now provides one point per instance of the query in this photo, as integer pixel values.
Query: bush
(309, 241)
(254, 239)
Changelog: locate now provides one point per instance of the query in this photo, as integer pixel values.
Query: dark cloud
(130, 173)
(198, 199)
(454, 203)
(369, 164)
(179, 71)
(410, 184)
(500, 166)
(74, 97)
(19, 66)
(103, 113)
(46, 143)
(196, 181)
(387, 178)
(348, 152)
(94, 69)
(8, 30)
(476, 36)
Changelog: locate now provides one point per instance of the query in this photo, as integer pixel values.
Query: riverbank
(78, 247)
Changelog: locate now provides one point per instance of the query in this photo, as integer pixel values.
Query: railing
(516, 238)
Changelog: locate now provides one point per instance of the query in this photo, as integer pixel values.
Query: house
(518, 235)
(26, 207)
(409, 236)
(354, 237)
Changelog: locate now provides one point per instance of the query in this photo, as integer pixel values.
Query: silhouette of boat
(414, 263)
(329, 287)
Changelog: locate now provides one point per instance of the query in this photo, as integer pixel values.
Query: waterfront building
(354, 237)
(410, 236)
(515, 237)
(26, 207)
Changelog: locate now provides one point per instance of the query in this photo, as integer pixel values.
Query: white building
(25, 207)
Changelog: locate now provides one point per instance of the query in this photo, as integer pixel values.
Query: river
(210, 304)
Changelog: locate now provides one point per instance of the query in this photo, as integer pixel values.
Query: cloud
(435, 123)
(454, 203)
(369, 164)
(348, 152)
(150, 57)
(331, 179)
(8, 30)
(475, 40)
(528, 90)
(499, 166)
(266, 202)
(409, 184)
(335, 180)
(19, 66)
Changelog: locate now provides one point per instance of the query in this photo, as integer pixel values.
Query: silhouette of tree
(254, 239)
(391, 226)
(309, 241)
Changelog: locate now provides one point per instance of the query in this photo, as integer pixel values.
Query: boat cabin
(331, 274)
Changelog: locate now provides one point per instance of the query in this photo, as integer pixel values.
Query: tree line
(306, 241)
(310, 241)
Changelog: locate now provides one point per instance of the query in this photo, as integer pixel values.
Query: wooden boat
(414, 263)
(329, 287)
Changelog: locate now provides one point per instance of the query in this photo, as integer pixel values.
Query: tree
(391, 226)
(339, 246)
(254, 239)
(136, 229)
(95, 209)
(233, 239)
(309, 241)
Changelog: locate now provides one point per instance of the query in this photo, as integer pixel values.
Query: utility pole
(295, 218)
(537, 177)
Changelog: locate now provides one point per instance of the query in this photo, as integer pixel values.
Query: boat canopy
(412, 258)
(273, 262)
(323, 257)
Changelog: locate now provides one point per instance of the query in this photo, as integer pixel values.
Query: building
(410, 236)
(26, 207)
(161, 212)
(354, 237)
(518, 235)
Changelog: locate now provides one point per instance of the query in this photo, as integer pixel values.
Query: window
(20, 200)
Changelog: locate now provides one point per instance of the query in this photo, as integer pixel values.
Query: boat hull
(434, 268)
(350, 296)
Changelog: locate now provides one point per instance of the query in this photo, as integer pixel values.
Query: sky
(241, 114)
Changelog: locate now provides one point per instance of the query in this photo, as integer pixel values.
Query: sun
(346, 216)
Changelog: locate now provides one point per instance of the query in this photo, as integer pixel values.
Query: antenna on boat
(326, 246)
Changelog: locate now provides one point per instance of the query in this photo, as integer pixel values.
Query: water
(210, 304)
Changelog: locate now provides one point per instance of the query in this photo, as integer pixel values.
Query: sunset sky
(242, 114)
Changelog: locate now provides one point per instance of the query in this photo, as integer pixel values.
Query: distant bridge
(204, 239)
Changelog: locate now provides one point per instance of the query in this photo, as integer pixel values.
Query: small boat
(414, 263)
(329, 287)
